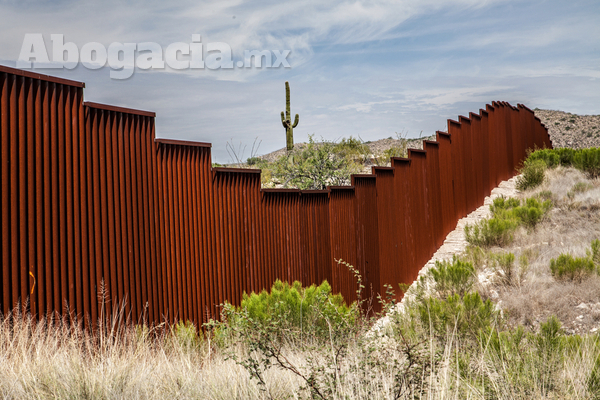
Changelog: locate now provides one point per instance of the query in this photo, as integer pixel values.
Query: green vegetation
(532, 174)
(567, 267)
(586, 160)
(507, 216)
(289, 308)
(319, 165)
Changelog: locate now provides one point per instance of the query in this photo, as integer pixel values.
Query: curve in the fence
(98, 212)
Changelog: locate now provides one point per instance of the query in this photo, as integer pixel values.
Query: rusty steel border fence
(96, 212)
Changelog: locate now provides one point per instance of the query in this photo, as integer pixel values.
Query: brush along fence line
(95, 211)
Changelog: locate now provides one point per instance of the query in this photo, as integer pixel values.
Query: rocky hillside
(571, 130)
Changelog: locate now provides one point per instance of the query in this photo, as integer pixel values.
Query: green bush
(549, 344)
(253, 160)
(505, 263)
(533, 173)
(594, 253)
(450, 278)
(567, 267)
(507, 215)
(466, 315)
(491, 232)
(291, 308)
(318, 165)
(586, 160)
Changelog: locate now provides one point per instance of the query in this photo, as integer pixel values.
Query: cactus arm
(284, 121)
(296, 121)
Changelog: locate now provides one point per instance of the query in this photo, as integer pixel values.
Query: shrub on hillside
(450, 278)
(567, 267)
(586, 160)
(318, 165)
(507, 215)
(290, 308)
(532, 175)
(491, 232)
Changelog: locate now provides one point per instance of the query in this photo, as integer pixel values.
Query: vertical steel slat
(161, 228)
(177, 233)
(96, 234)
(185, 248)
(110, 235)
(91, 221)
(203, 235)
(213, 231)
(150, 264)
(116, 197)
(4, 193)
(169, 223)
(39, 300)
(142, 226)
(195, 264)
(151, 154)
(68, 193)
(85, 193)
(125, 197)
(61, 201)
(77, 107)
(14, 187)
(54, 199)
(23, 236)
(136, 272)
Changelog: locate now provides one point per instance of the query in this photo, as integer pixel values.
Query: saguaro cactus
(287, 120)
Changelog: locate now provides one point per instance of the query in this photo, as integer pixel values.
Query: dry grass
(568, 228)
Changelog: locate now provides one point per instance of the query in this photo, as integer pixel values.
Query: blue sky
(358, 68)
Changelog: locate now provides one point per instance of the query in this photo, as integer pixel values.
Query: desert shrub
(491, 232)
(253, 160)
(588, 161)
(466, 315)
(352, 149)
(567, 267)
(450, 278)
(505, 265)
(594, 252)
(549, 346)
(507, 215)
(316, 166)
(531, 211)
(290, 308)
(532, 174)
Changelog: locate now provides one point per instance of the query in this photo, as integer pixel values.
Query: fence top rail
(415, 151)
(474, 116)
(119, 109)
(432, 142)
(236, 170)
(334, 188)
(280, 190)
(182, 142)
(34, 75)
